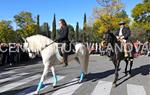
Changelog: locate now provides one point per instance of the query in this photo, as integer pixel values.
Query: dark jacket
(63, 35)
(125, 32)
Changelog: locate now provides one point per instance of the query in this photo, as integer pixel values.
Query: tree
(77, 32)
(110, 7)
(28, 30)
(38, 24)
(71, 33)
(84, 28)
(6, 32)
(53, 36)
(141, 16)
(141, 13)
(122, 14)
(84, 23)
(26, 23)
(146, 1)
(45, 30)
(109, 15)
(24, 18)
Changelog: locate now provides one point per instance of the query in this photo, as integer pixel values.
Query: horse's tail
(134, 49)
(86, 60)
(133, 52)
(83, 56)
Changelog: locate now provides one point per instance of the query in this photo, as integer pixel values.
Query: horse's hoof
(36, 93)
(114, 82)
(114, 85)
(130, 72)
(79, 81)
(54, 86)
(130, 75)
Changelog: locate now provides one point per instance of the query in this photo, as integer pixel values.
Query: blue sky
(71, 10)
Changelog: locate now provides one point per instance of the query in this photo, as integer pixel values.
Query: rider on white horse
(63, 38)
(50, 56)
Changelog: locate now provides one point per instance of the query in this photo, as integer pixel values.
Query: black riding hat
(122, 23)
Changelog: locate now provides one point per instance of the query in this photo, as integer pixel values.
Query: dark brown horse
(116, 54)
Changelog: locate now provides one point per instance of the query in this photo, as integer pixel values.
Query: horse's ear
(108, 31)
(24, 39)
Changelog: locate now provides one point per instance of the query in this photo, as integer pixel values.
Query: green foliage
(109, 15)
(6, 32)
(146, 1)
(71, 33)
(141, 15)
(122, 14)
(23, 18)
(45, 30)
(93, 35)
(141, 24)
(28, 30)
(26, 24)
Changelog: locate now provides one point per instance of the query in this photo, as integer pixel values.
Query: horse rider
(63, 38)
(123, 34)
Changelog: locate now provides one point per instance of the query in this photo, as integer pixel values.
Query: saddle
(64, 48)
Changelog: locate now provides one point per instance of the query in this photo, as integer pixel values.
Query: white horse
(50, 56)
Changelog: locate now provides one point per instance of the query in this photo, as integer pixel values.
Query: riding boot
(65, 56)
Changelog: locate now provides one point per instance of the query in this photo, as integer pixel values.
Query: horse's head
(27, 48)
(107, 38)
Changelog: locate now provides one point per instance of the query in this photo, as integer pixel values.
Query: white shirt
(120, 32)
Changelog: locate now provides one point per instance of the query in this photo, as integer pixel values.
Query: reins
(47, 45)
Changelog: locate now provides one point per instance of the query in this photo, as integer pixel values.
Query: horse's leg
(116, 72)
(115, 68)
(46, 67)
(54, 76)
(80, 61)
(82, 74)
(84, 61)
(127, 62)
(114, 64)
(131, 64)
(81, 77)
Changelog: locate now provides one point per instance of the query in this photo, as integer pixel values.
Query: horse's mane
(113, 37)
(37, 42)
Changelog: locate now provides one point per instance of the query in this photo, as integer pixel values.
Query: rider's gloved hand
(122, 37)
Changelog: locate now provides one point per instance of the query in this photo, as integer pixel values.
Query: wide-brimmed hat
(122, 23)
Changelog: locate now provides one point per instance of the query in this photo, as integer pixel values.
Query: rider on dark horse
(63, 38)
(123, 34)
